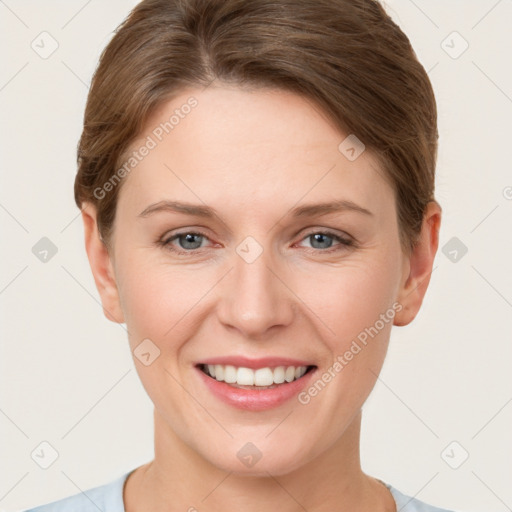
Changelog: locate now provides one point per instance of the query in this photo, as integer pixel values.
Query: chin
(249, 461)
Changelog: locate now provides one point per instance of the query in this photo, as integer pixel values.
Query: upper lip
(262, 362)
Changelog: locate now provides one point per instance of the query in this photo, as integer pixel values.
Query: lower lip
(255, 400)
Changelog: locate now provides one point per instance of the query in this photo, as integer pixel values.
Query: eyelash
(344, 243)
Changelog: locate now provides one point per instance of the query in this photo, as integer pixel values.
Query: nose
(255, 297)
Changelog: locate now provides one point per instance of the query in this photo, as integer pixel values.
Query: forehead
(248, 149)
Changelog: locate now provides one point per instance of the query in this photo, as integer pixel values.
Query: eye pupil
(189, 239)
(319, 237)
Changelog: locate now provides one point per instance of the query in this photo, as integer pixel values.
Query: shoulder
(107, 497)
(406, 503)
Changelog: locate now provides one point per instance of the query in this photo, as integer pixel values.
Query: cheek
(356, 304)
(157, 298)
(350, 298)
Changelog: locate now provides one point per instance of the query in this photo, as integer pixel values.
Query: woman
(256, 182)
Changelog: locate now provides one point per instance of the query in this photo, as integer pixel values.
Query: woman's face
(266, 278)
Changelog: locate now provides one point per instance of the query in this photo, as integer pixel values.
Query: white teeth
(245, 377)
(230, 374)
(279, 375)
(261, 377)
(219, 372)
(289, 374)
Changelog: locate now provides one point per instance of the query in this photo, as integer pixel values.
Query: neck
(180, 479)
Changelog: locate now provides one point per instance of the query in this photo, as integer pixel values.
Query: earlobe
(101, 265)
(417, 272)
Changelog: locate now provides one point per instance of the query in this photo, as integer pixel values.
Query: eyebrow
(307, 210)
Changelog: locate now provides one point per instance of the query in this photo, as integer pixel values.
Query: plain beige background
(66, 372)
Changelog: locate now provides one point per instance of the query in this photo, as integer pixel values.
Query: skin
(253, 155)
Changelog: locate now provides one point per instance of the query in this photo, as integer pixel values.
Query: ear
(418, 266)
(101, 265)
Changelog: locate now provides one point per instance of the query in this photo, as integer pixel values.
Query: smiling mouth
(255, 379)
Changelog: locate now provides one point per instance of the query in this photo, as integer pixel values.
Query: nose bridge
(255, 299)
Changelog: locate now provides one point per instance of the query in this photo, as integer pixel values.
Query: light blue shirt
(109, 498)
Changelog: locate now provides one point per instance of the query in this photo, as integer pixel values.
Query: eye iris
(189, 239)
(319, 237)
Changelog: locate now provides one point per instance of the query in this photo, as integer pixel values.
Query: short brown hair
(347, 56)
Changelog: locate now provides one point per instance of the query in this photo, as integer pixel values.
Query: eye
(322, 241)
(188, 241)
